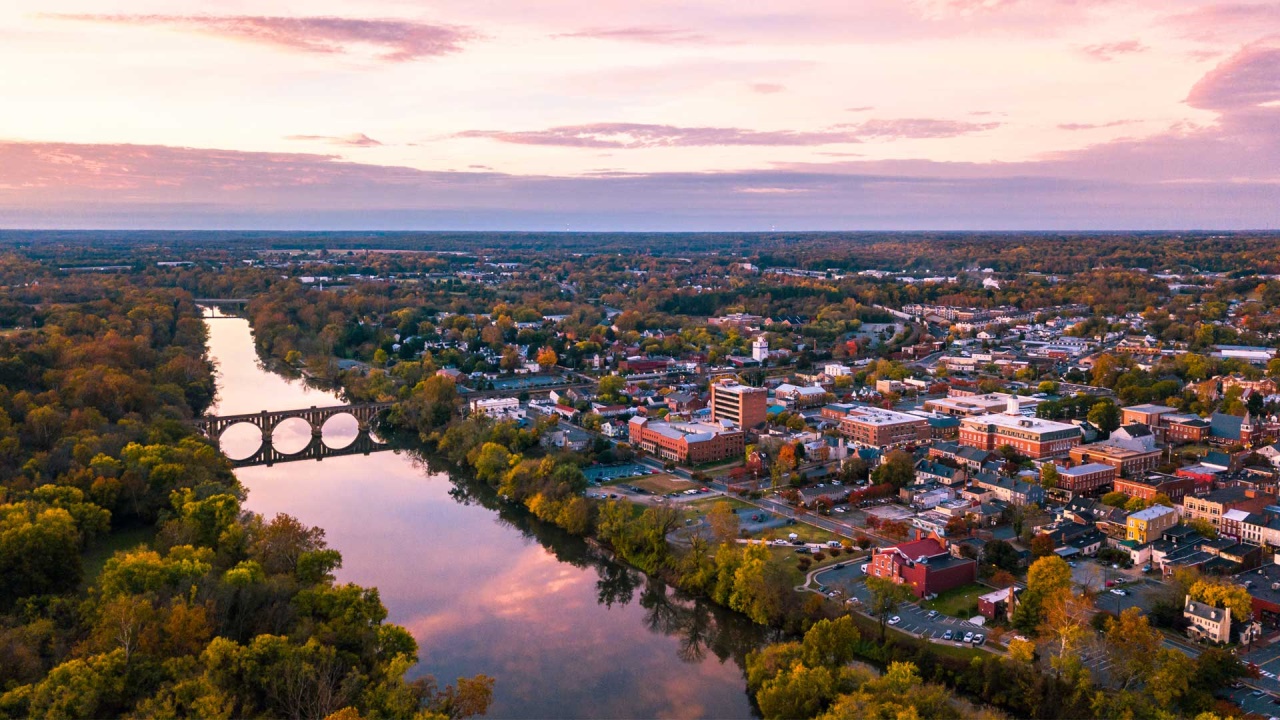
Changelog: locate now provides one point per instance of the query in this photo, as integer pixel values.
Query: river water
(484, 587)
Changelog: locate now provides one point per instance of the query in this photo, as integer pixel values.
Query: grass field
(961, 602)
(662, 484)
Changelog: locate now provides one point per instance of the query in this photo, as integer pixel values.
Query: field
(961, 602)
(662, 484)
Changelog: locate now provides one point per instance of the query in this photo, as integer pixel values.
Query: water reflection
(486, 588)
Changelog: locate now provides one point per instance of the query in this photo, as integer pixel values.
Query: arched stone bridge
(266, 421)
(212, 427)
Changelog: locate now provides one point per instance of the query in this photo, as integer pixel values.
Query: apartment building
(1147, 525)
(1217, 503)
(744, 406)
(1150, 485)
(1127, 462)
(1087, 479)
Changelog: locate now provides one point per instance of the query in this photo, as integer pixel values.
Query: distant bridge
(220, 301)
(266, 421)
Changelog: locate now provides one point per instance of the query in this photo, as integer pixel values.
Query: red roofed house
(925, 564)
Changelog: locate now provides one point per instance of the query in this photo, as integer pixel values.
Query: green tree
(886, 595)
(1105, 415)
(898, 469)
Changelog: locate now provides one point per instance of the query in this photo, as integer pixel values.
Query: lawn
(961, 602)
(662, 484)
(705, 504)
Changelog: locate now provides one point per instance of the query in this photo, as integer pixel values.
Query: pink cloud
(767, 88)
(1094, 126)
(400, 40)
(655, 35)
(641, 135)
(919, 128)
(1247, 79)
(1107, 52)
(1228, 22)
(353, 140)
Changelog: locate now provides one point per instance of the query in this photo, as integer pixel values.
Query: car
(780, 541)
(802, 550)
(1118, 591)
(979, 639)
(864, 567)
(1256, 693)
(931, 614)
(895, 620)
(1146, 568)
(822, 588)
(968, 637)
(842, 509)
(1072, 563)
(946, 635)
(833, 594)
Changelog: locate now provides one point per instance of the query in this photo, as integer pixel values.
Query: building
(1009, 490)
(1150, 524)
(1150, 485)
(1127, 462)
(1207, 622)
(1037, 439)
(1234, 430)
(1087, 479)
(875, 427)
(926, 565)
(687, 443)
(1149, 415)
(835, 370)
(760, 349)
(959, 404)
(997, 604)
(806, 396)
(499, 407)
(1185, 429)
(741, 405)
(1217, 503)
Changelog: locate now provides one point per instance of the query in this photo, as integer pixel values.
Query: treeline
(132, 582)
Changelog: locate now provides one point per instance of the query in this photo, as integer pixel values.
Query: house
(964, 456)
(1207, 622)
(1135, 436)
(998, 604)
(1151, 484)
(926, 565)
(1149, 524)
(1010, 490)
(1087, 479)
(927, 469)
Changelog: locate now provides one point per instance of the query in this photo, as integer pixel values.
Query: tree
(1115, 499)
(1106, 415)
(1135, 504)
(724, 522)
(1049, 477)
(1132, 644)
(1041, 546)
(610, 387)
(1222, 594)
(898, 470)
(886, 595)
(547, 357)
(492, 462)
(1202, 526)
(1001, 554)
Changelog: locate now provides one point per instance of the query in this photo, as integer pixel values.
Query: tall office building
(739, 404)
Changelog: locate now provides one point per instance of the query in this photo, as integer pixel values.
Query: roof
(1150, 408)
(1206, 612)
(1152, 513)
(1225, 426)
(926, 547)
(1086, 469)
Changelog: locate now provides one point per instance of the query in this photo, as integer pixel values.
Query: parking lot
(914, 619)
(604, 473)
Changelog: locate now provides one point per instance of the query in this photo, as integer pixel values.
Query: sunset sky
(654, 115)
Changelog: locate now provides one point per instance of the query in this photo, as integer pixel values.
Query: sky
(658, 115)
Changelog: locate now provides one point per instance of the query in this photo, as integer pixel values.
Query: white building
(499, 407)
(760, 349)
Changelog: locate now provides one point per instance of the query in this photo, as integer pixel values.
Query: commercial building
(1151, 415)
(875, 427)
(687, 443)
(1150, 485)
(959, 404)
(1150, 524)
(801, 396)
(1214, 505)
(499, 407)
(1037, 439)
(1127, 461)
(926, 566)
(741, 405)
(1009, 490)
(1087, 479)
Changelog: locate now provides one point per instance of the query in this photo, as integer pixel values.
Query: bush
(818, 555)
(851, 549)
(804, 564)
(1100, 620)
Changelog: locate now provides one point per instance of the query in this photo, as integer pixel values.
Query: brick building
(1152, 484)
(687, 443)
(1087, 479)
(1035, 438)
(741, 405)
(875, 427)
(1214, 505)
(926, 565)
(1127, 461)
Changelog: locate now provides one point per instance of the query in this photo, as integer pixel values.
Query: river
(483, 587)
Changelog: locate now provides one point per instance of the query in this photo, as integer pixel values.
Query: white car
(968, 637)
(1118, 591)
(864, 567)
(895, 620)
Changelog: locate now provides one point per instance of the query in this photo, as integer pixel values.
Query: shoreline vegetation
(202, 609)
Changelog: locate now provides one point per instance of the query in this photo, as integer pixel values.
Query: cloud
(919, 128)
(1094, 126)
(1107, 52)
(767, 88)
(1250, 78)
(353, 140)
(398, 40)
(863, 108)
(1227, 22)
(640, 135)
(654, 35)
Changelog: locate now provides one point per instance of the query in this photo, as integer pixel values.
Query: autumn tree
(723, 521)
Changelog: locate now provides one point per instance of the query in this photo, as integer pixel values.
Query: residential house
(1206, 622)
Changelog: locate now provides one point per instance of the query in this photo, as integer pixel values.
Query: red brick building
(741, 405)
(1152, 484)
(875, 427)
(1127, 461)
(1037, 439)
(1087, 479)
(926, 565)
(687, 443)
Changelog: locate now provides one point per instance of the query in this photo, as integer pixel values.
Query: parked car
(895, 620)
(979, 639)
(946, 635)
(931, 614)
(1118, 591)
(780, 541)
(968, 637)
